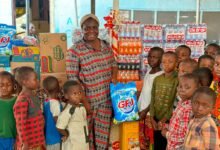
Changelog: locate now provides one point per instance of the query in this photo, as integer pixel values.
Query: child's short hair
(170, 53)
(205, 57)
(51, 84)
(158, 49)
(22, 73)
(207, 91)
(184, 46)
(216, 46)
(191, 62)
(9, 75)
(69, 84)
(191, 76)
(204, 73)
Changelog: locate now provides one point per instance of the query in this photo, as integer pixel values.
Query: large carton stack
(53, 54)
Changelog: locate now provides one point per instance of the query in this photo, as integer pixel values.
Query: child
(202, 131)
(163, 95)
(187, 66)
(72, 123)
(154, 60)
(216, 87)
(212, 49)
(7, 121)
(205, 76)
(27, 112)
(183, 52)
(52, 109)
(206, 61)
(176, 131)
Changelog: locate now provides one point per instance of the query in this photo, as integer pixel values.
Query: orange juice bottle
(135, 47)
(126, 43)
(139, 46)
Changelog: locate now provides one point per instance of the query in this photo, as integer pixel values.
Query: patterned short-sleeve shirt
(93, 68)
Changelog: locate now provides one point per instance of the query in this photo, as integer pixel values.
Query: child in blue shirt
(52, 108)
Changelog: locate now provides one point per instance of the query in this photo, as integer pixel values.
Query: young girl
(27, 112)
(72, 122)
(7, 121)
(52, 109)
(154, 60)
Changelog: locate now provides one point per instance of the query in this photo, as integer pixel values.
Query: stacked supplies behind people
(26, 56)
(53, 47)
(6, 38)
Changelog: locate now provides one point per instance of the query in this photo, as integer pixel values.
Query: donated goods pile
(47, 58)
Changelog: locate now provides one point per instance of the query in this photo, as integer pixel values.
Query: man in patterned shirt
(91, 62)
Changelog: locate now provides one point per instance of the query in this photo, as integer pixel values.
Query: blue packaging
(6, 36)
(124, 102)
(4, 61)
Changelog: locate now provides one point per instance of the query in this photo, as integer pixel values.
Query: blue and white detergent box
(124, 102)
(6, 36)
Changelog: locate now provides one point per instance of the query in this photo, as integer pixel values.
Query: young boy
(27, 112)
(154, 60)
(202, 131)
(72, 123)
(52, 109)
(206, 61)
(205, 76)
(183, 52)
(163, 95)
(187, 66)
(176, 131)
(212, 49)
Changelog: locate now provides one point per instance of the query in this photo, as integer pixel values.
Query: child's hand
(164, 131)
(154, 123)
(64, 138)
(24, 146)
(160, 125)
(142, 115)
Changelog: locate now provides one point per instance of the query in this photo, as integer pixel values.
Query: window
(145, 17)
(166, 17)
(187, 17)
(212, 20)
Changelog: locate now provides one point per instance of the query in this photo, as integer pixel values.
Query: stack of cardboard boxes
(53, 48)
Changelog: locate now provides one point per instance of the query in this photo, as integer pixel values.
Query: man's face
(90, 29)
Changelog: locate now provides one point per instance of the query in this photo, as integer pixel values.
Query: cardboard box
(25, 54)
(114, 140)
(25, 51)
(34, 65)
(61, 76)
(53, 48)
(4, 61)
(129, 135)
